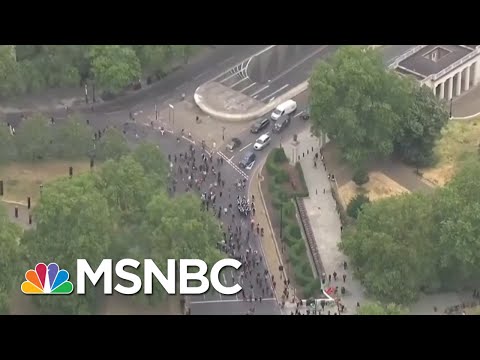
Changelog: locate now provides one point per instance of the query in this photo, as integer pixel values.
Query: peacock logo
(47, 280)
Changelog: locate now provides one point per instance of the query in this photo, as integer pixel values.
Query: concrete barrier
(255, 114)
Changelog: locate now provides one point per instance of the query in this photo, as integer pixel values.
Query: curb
(221, 115)
(260, 180)
(470, 117)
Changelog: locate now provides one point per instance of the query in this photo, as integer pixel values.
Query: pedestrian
(329, 278)
(335, 275)
(344, 277)
(324, 190)
(344, 265)
(358, 304)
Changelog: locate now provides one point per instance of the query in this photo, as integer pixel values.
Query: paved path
(321, 209)
(467, 104)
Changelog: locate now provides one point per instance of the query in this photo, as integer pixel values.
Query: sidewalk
(268, 243)
(321, 209)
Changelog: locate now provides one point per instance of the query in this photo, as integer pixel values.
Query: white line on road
(273, 98)
(248, 87)
(226, 301)
(224, 279)
(299, 63)
(300, 113)
(231, 76)
(238, 82)
(233, 165)
(246, 146)
(259, 91)
(255, 96)
(276, 91)
(231, 158)
(190, 140)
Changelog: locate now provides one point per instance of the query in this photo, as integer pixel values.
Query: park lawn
(22, 180)
(378, 187)
(459, 142)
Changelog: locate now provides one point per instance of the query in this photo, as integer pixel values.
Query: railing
(456, 64)
(409, 53)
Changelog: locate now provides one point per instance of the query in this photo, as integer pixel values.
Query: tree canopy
(121, 211)
(31, 68)
(379, 309)
(370, 111)
(416, 242)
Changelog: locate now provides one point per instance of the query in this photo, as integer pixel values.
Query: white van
(285, 108)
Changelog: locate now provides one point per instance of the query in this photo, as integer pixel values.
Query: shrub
(360, 177)
(281, 176)
(356, 205)
(289, 209)
(300, 277)
(303, 191)
(277, 200)
(279, 156)
(272, 168)
(294, 230)
(313, 288)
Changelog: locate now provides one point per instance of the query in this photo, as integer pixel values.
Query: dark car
(259, 125)
(233, 144)
(282, 122)
(247, 160)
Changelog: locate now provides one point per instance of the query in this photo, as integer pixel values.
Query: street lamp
(86, 93)
(156, 113)
(223, 132)
(171, 111)
(451, 107)
(93, 92)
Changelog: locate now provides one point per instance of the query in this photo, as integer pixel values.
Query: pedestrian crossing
(233, 165)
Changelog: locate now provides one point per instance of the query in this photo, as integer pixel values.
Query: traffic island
(283, 183)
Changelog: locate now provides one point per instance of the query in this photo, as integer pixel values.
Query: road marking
(255, 96)
(300, 113)
(224, 279)
(248, 87)
(299, 63)
(273, 98)
(190, 140)
(259, 91)
(233, 165)
(208, 152)
(231, 158)
(231, 76)
(238, 82)
(226, 301)
(246, 146)
(276, 91)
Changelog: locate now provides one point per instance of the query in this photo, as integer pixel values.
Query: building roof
(432, 59)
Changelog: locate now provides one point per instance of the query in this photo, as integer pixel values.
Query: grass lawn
(460, 141)
(22, 180)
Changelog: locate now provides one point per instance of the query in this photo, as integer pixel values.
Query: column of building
(469, 76)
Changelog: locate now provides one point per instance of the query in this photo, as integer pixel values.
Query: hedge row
(292, 234)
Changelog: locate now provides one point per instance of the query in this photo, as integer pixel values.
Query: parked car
(281, 123)
(247, 160)
(262, 141)
(259, 125)
(233, 144)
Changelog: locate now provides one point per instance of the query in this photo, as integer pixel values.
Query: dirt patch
(293, 185)
(22, 180)
(378, 187)
(335, 164)
(460, 141)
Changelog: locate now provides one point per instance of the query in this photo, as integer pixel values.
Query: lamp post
(223, 132)
(93, 92)
(156, 113)
(86, 93)
(451, 107)
(171, 111)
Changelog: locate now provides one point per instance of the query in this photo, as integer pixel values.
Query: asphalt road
(296, 71)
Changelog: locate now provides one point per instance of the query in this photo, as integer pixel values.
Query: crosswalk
(233, 165)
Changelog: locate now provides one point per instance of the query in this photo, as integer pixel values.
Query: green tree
(8, 150)
(112, 145)
(355, 101)
(356, 205)
(379, 309)
(127, 190)
(421, 127)
(34, 138)
(114, 67)
(73, 222)
(10, 259)
(392, 248)
(457, 214)
(9, 71)
(155, 59)
(177, 228)
(153, 162)
(183, 52)
(73, 139)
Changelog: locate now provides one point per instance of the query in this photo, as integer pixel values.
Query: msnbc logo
(47, 280)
